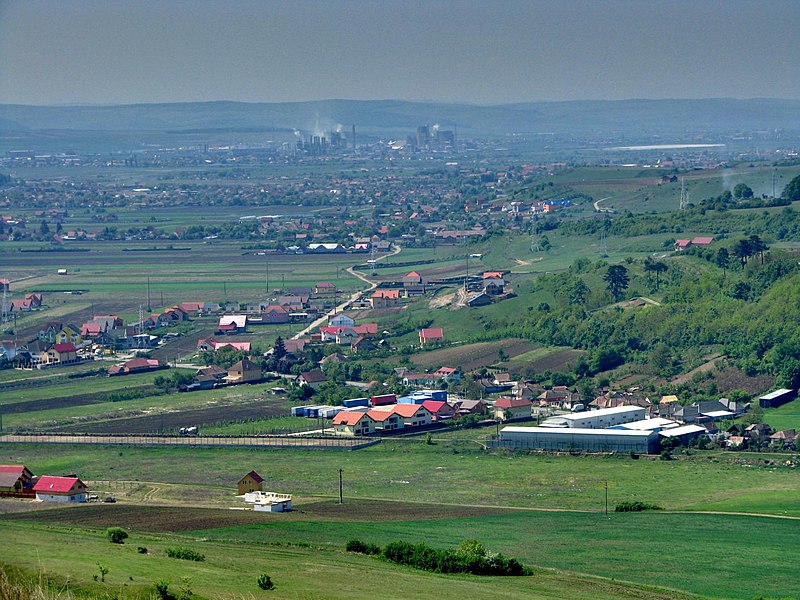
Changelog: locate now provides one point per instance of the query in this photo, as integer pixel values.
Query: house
(61, 354)
(412, 279)
(243, 371)
(252, 482)
(313, 378)
(430, 334)
(448, 374)
(16, 480)
(232, 324)
(494, 286)
(137, 365)
(60, 489)
(702, 241)
(414, 415)
(682, 244)
(49, 332)
(362, 344)
(325, 287)
(352, 423)
(385, 420)
(69, 334)
(469, 407)
(757, 431)
(510, 409)
(385, 298)
(213, 345)
(479, 299)
(274, 314)
(341, 320)
(439, 409)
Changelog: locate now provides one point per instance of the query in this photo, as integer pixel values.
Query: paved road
(352, 298)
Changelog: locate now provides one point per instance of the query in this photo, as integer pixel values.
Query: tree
(116, 535)
(723, 259)
(757, 246)
(617, 281)
(265, 582)
(792, 189)
(44, 228)
(578, 293)
(742, 191)
(742, 250)
(279, 349)
(103, 571)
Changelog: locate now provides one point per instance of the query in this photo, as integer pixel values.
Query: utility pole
(341, 497)
(606, 497)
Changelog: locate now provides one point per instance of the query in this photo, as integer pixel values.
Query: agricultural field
(548, 511)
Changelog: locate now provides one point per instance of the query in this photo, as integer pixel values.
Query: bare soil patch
(472, 356)
(733, 378)
(155, 422)
(180, 519)
(561, 360)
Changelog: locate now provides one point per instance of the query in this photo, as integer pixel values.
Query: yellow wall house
(252, 482)
(69, 335)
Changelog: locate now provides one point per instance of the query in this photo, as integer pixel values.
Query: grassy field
(298, 571)
(451, 471)
(784, 417)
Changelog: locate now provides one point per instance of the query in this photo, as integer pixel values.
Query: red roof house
(430, 334)
(60, 489)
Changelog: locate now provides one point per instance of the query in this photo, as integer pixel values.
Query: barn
(60, 489)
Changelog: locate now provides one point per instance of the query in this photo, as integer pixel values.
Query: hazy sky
(485, 52)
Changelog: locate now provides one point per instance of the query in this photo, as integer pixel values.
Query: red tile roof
(431, 333)
(506, 402)
(255, 477)
(346, 417)
(64, 347)
(55, 485)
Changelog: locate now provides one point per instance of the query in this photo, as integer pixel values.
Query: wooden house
(252, 482)
(16, 481)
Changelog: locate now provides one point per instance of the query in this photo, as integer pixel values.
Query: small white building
(269, 501)
(60, 489)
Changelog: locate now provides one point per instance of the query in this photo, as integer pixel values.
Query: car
(110, 500)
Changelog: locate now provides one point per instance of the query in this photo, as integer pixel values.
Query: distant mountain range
(586, 117)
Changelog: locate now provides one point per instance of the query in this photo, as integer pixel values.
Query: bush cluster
(470, 557)
(185, 554)
(636, 506)
(362, 547)
(116, 535)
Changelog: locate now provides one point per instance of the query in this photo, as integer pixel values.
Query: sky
(479, 51)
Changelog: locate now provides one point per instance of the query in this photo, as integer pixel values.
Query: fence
(271, 441)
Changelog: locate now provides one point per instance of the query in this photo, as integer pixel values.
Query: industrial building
(575, 438)
(777, 398)
(597, 419)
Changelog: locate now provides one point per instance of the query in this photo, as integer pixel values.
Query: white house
(60, 489)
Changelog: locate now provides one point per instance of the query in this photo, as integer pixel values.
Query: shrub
(361, 547)
(162, 590)
(356, 546)
(636, 506)
(116, 535)
(185, 554)
(471, 557)
(141, 550)
(265, 582)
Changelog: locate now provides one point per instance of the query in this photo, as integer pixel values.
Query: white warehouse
(596, 419)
